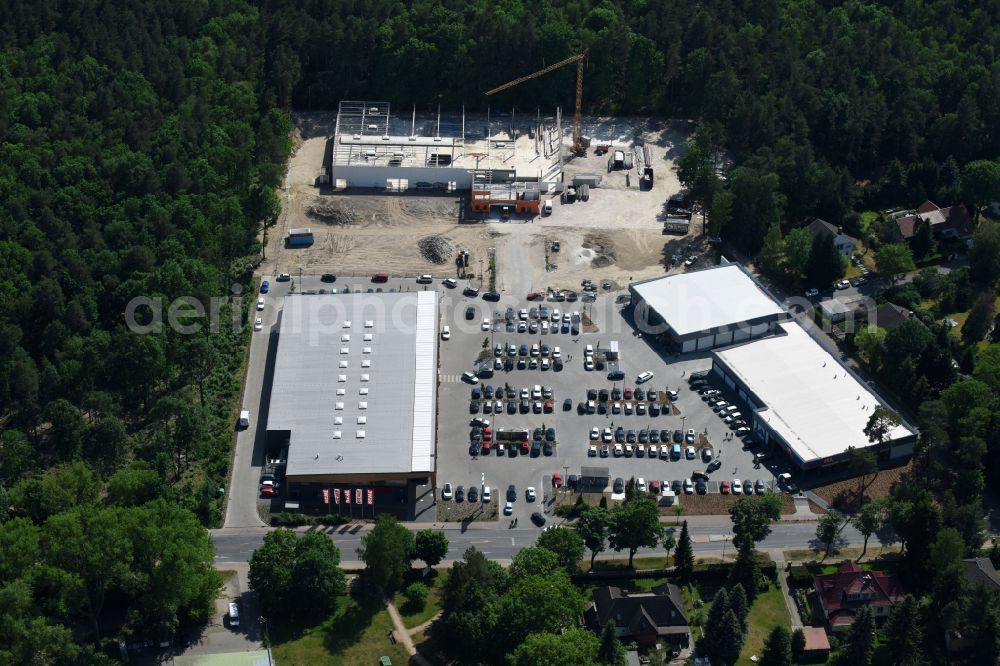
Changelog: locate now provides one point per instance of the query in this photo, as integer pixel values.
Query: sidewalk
(778, 556)
(401, 634)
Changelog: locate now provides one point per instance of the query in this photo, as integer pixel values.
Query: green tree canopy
(295, 575)
(567, 545)
(634, 525)
(684, 555)
(777, 648)
(387, 551)
(574, 647)
(431, 546)
(893, 260)
(592, 526)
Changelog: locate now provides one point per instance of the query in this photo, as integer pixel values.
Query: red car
(547, 407)
(654, 487)
(536, 296)
(557, 480)
(525, 447)
(380, 277)
(487, 435)
(724, 487)
(486, 447)
(268, 491)
(628, 394)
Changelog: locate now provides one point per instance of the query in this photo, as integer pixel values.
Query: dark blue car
(265, 286)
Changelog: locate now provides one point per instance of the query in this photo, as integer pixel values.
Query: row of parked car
(482, 440)
(730, 414)
(697, 483)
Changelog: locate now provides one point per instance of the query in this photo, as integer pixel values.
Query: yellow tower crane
(578, 116)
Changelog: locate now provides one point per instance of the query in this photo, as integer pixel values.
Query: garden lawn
(353, 634)
(767, 612)
(415, 617)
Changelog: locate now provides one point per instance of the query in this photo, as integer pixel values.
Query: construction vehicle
(579, 58)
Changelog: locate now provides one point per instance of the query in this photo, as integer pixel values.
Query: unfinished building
(507, 165)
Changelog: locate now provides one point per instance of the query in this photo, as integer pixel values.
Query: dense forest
(140, 152)
(839, 100)
(141, 143)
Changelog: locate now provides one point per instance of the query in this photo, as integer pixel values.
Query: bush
(298, 520)
(798, 644)
(800, 576)
(416, 595)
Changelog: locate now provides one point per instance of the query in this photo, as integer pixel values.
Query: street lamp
(267, 641)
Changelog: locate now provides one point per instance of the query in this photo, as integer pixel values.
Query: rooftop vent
(360, 434)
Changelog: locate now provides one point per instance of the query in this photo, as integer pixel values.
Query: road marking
(449, 379)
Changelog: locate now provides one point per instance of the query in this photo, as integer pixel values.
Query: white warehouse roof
(706, 300)
(355, 379)
(810, 399)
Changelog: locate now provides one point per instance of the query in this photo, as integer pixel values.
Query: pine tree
(826, 264)
(611, 651)
(720, 606)
(860, 640)
(777, 648)
(684, 556)
(746, 572)
(738, 604)
(727, 641)
(798, 644)
(904, 633)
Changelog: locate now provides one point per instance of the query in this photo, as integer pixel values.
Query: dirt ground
(714, 504)
(615, 236)
(880, 487)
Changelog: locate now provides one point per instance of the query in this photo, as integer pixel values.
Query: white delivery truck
(245, 418)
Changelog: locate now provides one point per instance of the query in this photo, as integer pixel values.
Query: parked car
(447, 492)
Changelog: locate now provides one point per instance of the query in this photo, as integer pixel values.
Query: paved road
(236, 546)
(248, 457)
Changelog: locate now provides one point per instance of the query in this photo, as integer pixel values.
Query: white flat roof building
(804, 395)
(707, 308)
(354, 386)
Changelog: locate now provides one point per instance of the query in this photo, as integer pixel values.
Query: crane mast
(579, 59)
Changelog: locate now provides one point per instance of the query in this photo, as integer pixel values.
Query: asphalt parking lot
(459, 354)
(572, 430)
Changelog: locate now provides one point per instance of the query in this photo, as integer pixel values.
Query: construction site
(406, 191)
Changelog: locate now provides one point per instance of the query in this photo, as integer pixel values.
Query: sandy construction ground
(615, 236)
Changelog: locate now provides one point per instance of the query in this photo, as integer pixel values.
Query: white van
(644, 377)
(234, 615)
(245, 418)
(547, 207)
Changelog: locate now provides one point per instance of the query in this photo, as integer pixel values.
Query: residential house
(951, 223)
(978, 571)
(644, 617)
(843, 593)
(890, 315)
(844, 243)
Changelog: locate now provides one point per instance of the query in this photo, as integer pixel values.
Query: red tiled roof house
(952, 222)
(844, 593)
